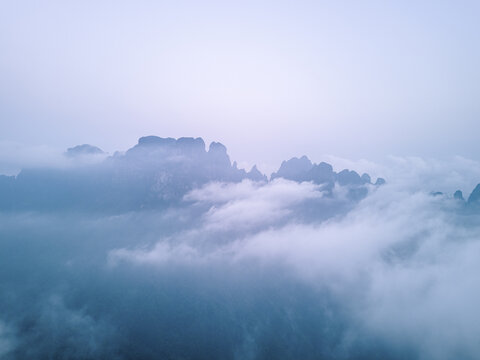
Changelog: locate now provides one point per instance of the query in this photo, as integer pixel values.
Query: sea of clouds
(252, 270)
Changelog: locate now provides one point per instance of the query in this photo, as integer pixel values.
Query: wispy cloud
(257, 266)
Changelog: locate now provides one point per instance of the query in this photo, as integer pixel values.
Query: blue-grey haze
(170, 251)
(172, 248)
(354, 79)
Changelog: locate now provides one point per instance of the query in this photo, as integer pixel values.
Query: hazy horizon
(271, 80)
(175, 247)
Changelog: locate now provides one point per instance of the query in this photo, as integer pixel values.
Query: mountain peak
(216, 147)
(156, 140)
(294, 169)
(84, 149)
(458, 195)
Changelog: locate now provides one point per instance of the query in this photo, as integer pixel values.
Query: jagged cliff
(155, 172)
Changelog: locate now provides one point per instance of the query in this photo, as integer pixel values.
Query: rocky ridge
(154, 173)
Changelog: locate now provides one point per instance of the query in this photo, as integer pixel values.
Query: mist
(360, 81)
(253, 180)
(248, 267)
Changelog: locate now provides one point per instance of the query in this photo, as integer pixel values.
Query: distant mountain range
(155, 172)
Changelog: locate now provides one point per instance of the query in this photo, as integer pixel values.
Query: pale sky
(270, 80)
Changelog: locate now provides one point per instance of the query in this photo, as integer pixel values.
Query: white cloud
(249, 204)
(400, 267)
(405, 261)
(15, 156)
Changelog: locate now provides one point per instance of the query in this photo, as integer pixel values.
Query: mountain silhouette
(154, 173)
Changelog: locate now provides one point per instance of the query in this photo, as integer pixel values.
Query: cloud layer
(248, 270)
